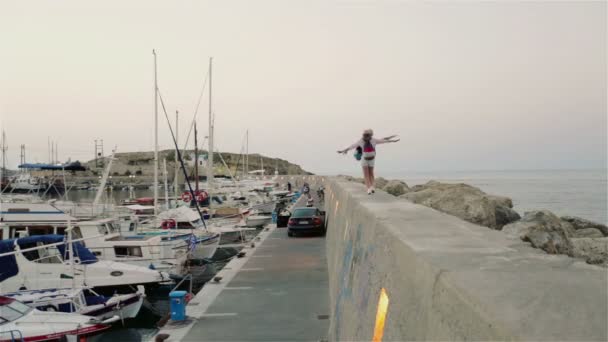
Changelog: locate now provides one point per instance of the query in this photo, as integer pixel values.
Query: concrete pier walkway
(278, 292)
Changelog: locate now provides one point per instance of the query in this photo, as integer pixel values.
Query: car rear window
(304, 212)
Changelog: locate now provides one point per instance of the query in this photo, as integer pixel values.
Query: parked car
(306, 220)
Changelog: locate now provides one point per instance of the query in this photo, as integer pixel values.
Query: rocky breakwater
(465, 201)
(568, 235)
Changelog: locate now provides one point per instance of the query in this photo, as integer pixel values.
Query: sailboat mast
(210, 152)
(3, 151)
(166, 184)
(155, 137)
(196, 158)
(247, 154)
(176, 180)
(71, 253)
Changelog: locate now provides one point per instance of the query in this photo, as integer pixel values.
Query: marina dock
(278, 291)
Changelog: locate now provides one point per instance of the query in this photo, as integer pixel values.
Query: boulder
(594, 251)
(465, 201)
(396, 188)
(543, 230)
(380, 182)
(588, 233)
(581, 223)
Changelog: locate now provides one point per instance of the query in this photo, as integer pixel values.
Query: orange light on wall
(380, 316)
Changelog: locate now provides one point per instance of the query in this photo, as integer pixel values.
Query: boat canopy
(9, 263)
(75, 166)
(180, 214)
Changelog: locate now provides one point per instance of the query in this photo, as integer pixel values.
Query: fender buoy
(187, 197)
(189, 297)
(168, 224)
(202, 196)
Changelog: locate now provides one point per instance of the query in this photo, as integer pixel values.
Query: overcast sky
(467, 85)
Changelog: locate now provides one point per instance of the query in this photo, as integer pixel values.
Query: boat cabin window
(107, 228)
(41, 230)
(127, 251)
(102, 229)
(10, 310)
(76, 233)
(48, 255)
(17, 232)
(113, 228)
(184, 225)
(18, 210)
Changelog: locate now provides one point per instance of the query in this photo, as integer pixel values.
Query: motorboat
(44, 261)
(104, 241)
(24, 182)
(164, 250)
(257, 221)
(82, 301)
(19, 322)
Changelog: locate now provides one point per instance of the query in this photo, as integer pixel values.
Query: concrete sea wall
(447, 279)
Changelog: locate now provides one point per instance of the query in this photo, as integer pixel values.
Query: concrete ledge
(448, 279)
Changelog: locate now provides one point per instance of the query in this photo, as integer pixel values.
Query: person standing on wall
(366, 152)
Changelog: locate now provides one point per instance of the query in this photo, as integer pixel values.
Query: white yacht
(44, 262)
(24, 182)
(165, 250)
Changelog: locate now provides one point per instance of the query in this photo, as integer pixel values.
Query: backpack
(358, 153)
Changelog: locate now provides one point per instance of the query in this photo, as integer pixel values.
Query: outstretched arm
(389, 139)
(349, 148)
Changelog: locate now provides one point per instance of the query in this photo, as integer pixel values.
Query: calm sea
(580, 193)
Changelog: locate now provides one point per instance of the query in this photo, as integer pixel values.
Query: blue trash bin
(274, 217)
(178, 305)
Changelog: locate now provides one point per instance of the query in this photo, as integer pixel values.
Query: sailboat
(200, 243)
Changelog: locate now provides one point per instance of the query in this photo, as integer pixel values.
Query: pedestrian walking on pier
(366, 152)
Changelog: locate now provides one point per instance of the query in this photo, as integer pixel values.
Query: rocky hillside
(142, 164)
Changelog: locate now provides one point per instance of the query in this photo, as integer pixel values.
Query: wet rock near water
(465, 201)
(593, 250)
(543, 230)
(556, 235)
(581, 223)
(588, 233)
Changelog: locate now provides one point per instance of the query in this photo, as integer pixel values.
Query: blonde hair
(368, 131)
